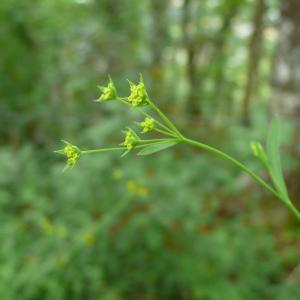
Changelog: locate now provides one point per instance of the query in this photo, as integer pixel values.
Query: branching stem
(260, 181)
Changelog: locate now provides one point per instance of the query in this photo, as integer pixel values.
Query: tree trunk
(159, 41)
(286, 79)
(219, 59)
(190, 44)
(255, 49)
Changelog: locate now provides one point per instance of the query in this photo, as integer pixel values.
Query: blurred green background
(180, 224)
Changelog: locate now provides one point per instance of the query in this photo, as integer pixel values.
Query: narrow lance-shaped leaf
(155, 147)
(274, 161)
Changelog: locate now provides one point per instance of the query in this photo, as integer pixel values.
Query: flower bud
(71, 152)
(108, 93)
(138, 95)
(259, 152)
(131, 139)
(148, 124)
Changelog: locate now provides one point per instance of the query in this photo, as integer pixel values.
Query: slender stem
(234, 161)
(164, 127)
(161, 114)
(288, 203)
(157, 140)
(123, 100)
(165, 119)
(103, 150)
(291, 206)
(171, 130)
(164, 132)
(157, 122)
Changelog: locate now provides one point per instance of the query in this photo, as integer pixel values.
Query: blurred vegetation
(176, 225)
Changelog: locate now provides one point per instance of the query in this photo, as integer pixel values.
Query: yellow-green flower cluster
(109, 92)
(148, 124)
(89, 239)
(72, 153)
(136, 189)
(131, 139)
(138, 95)
(50, 229)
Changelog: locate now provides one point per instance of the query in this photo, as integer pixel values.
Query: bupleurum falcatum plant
(157, 122)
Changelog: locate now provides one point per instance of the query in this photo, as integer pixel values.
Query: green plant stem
(234, 161)
(164, 132)
(165, 128)
(163, 116)
(165, 119)
(227, 157)
(157, 140)
(123, 100)
(102, 150)
(293, 209)
(157, 122)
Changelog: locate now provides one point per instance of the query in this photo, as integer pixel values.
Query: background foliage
(176, 225)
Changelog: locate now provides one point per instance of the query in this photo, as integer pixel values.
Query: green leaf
(125, 153)
(274, 162)
(61, 151)
(155, 147)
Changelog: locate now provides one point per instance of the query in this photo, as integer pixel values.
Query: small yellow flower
(47, 226)
(131, 139)
(148, 124)
(89, 239)
(108, 93)
(136, 189)
(71, 152)
(143, 191)
(138, 95)
(131, 186)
